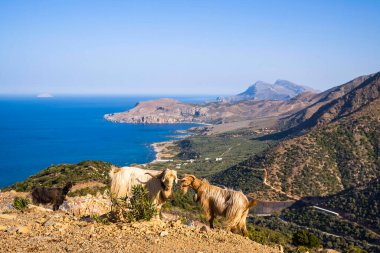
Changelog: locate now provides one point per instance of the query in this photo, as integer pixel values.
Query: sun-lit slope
(335, 102)
(172, 111)
(327, 159)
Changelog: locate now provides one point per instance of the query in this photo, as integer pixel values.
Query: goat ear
(163, 176)
(192, 176)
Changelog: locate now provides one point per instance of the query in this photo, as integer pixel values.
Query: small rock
(7, 216)
(23, 230)
(48, 223)
(3, 228)
(12, 230)
(164, 233)
(190, 223)
(204, 229)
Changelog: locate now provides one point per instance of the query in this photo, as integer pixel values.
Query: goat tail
(251, 204)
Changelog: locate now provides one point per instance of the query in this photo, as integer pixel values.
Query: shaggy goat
(233, 205)
(54, 196)
(158, 183)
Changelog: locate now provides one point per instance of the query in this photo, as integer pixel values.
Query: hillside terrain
(167, 110)
(336, 102)
(358, 204)
(58, 175)
(344, 151)
(280, 90)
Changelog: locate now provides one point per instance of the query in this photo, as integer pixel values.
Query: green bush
(354, 249)
(183, 201)
(305, 238)
(20, 203)
(267, 236)
(138, 207)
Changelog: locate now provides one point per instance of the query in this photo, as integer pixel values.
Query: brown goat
(54, 196)
(233, 205)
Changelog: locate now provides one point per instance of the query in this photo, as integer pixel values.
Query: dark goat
(54, 196)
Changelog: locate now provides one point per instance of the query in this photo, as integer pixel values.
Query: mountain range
(280, 90)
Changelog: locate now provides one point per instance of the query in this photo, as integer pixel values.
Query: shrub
(20, 203)
(138, 207)
(183, 201)
(354, 249)
(305, 238)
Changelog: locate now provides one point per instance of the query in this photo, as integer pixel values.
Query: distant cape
(45, 95)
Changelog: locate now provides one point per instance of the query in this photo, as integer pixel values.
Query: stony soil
(41, 230)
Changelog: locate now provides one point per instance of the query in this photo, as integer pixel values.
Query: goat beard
(166, 193)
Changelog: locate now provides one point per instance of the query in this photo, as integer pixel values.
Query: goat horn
(141, 181)
(154, 176)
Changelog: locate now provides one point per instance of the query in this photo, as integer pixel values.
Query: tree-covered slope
(342, 152)
(360, 204)
(59, 175)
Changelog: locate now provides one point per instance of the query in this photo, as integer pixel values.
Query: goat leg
(211, 220)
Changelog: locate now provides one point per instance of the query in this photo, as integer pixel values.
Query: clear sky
(183, 47)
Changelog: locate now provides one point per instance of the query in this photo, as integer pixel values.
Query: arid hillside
(172, 111)
(339, 152)
(335, 103)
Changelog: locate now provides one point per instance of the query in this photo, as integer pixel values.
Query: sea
(38, 132)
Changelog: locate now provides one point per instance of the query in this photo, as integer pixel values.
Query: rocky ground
(39, 229)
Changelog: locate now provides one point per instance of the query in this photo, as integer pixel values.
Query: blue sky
(183, 47)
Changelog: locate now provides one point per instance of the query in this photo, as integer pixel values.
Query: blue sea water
(38, 132)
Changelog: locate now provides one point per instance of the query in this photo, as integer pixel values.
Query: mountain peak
(260, 90)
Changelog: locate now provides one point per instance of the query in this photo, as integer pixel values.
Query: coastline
(162, 152)
(162, 149)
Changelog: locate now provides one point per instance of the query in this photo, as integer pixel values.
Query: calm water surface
(35, 133)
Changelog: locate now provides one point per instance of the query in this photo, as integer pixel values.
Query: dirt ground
(41, 230)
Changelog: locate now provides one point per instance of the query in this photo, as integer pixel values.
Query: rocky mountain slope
(172, 111)
(341, 151)
(280, 90)
(335, 102)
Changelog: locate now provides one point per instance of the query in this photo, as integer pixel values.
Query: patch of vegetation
(268, 236)
(289, 228)
(361, 205)
(305, 238)
(241, 177)
(59, 175)
(326, 160)
(138, 207)
(187, 150)
(88, 190)
(183, 201)
(232, 147)
(20, 203)
(308, 217)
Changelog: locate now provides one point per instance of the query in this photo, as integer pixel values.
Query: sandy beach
(163, 150)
